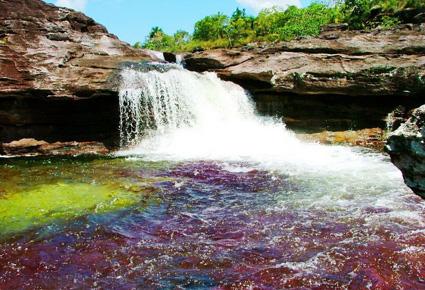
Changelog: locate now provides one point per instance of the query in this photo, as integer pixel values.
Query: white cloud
(79, 5)
(258, 5)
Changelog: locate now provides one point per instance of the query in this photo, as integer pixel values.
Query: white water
(198, 117)
(182, 115)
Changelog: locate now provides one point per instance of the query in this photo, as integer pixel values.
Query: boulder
(406, 146)
(170, 57)
(342, 80)
(58, 51)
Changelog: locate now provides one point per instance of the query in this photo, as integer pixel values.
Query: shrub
(275, 24)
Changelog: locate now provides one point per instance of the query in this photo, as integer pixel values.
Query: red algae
(221, 226)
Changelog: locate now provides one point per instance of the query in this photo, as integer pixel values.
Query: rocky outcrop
(354, 63)
(56, 67)
(341, 80)
(406, 145)
(32, 147)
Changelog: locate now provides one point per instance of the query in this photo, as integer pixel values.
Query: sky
(131, 20)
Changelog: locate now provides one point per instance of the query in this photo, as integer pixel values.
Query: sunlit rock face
(341, 80)
(350, 63)
(407, 149)
(58, 50)
(56, 66)
(32, 147)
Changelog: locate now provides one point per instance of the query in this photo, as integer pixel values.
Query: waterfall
(158, 101)
(169, 113)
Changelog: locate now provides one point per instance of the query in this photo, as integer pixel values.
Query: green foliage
(158, 40)
(366, 14)
(3, 40)
(275, 24)
(388, 22)
(241, 26)
(356, 11)
(211, 27)
(305, 22)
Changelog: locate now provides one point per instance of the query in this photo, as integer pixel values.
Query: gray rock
(406, 145)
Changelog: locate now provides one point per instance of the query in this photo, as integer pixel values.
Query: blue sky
(131, 20)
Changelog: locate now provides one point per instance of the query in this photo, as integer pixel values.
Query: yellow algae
(61, 201)
(34, 193)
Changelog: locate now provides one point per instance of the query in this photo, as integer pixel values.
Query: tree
(158, 40)
(240, 26)
(138, 45)
(211, 27)
(155, 31)
(181, 37)
(268, 23)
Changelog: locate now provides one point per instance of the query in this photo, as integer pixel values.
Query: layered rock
(341, 80)
(406, 145)
(350, 63)
(56, 71)
(32, 147)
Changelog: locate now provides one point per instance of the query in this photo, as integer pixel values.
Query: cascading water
(236, 201)
(151, 101)
(176, 115)
(155, 103)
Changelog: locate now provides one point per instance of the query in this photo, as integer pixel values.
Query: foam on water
(178, 115)
(182, 115)
(239, 202)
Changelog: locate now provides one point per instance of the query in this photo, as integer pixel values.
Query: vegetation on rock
(275, 24)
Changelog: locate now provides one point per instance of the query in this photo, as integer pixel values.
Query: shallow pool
(126, 223)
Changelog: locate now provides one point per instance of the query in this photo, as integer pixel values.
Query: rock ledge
(406, 145)
(32, 147)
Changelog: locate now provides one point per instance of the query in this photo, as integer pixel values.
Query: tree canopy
(275, 24)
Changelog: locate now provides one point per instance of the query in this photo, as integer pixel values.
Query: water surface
(207, 194)
(203, 225)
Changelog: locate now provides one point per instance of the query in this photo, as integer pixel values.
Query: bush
(305, 22)
(273, 24)
(366, 14)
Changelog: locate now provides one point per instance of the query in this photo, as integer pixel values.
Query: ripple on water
(218, 225)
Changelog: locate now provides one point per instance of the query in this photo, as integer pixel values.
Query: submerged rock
(406, 145)
(32, 147)
(371, 138)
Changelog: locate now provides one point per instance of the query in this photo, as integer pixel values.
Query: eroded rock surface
(351, 63)
(56, 74)
(406, 145)
(370, 138)
(58, 50)
(32, 147)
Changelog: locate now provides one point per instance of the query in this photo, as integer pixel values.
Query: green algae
(48, 203)
(35, 193)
